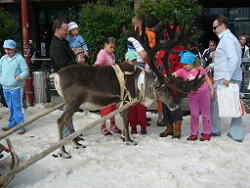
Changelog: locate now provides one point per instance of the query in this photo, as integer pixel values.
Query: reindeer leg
(66, 118)
(61, 122)
(126, 137)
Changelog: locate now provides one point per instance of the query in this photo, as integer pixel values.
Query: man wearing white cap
(13, 71)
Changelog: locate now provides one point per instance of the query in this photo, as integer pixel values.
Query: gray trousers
(236, 132)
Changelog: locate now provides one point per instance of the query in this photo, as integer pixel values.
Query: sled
(8, 161)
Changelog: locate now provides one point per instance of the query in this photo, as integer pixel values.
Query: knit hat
(187, 57)
(130, 56)
(10, 44)
(72, 25)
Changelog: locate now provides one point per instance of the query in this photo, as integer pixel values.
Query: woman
(106, 57)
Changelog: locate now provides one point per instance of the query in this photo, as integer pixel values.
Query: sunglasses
(215, 27)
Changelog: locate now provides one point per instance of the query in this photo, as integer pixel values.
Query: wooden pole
(16, 128)
(62, 142)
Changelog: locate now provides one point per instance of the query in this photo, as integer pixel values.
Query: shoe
(6, 128)
(21, 132)
(115, 129)
(143, 130)
(105, 131)
(168, 131)
(133, 130)
(205, 137)
(230, 136)
(177, 129)
(215, 134)
(192, 138)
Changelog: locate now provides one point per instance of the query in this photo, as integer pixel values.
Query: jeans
(236, 132)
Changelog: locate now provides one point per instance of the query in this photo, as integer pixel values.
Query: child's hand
(85, 53)
(18, 78)
(212, 92)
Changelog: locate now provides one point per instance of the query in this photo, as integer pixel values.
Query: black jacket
(60, 53)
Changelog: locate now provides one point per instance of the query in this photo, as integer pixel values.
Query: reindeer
(93, 88)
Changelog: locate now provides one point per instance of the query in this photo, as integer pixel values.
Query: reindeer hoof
(78, 138)
(63, 155)
(131, 143)
(78, 146)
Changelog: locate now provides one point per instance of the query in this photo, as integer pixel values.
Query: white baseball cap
(72, 25)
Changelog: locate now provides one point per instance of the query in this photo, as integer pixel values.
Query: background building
(43, 12)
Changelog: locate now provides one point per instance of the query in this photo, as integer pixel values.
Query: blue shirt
(10, 68)
(227, 58)
(77, 42)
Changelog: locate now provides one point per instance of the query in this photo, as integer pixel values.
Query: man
(245, 54)
(61, 54)
(227, 70)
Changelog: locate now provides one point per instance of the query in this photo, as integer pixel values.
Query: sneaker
(143, 130)
(205, 137)
(216, 134)
(133, 130)
(105, 131)
(192, 138)
(6, 128)
(21, 132)
(115, 129)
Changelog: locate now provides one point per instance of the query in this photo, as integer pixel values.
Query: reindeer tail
(56, 78)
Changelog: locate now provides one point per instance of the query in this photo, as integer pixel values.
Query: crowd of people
(220, 64)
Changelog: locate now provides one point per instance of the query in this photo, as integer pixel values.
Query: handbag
(229, 102)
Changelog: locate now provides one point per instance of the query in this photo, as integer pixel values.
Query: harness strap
(124, 93)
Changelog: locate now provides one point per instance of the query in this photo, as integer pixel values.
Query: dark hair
(58, 23)
(242, 36)
(223, 20)
(110, 40)
(212, 41)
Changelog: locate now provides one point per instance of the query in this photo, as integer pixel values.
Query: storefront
(43, 12)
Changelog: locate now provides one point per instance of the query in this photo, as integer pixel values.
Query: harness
(125, 95)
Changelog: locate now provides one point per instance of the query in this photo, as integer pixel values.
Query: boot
(177, 129)
(168, 131)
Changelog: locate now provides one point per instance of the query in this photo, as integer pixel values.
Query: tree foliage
(102, 20)
(174, 12)
(8, 27)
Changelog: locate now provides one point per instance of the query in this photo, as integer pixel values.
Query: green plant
(174, 12)
(102, 20)
(8, 27)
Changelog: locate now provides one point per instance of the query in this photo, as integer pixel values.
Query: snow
(109, 163)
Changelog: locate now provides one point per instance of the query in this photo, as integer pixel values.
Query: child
(76, 43)
(13, 71)
(106, 57)
(137, 112)
(199, 101)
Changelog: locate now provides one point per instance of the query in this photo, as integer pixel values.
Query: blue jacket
(77, 42)
(10, 68)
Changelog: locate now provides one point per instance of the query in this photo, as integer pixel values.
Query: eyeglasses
(215, 27)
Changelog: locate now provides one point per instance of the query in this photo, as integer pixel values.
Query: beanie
(130, 56)
(187, 57)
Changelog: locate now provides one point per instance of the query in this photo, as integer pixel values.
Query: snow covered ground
(108, 163)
